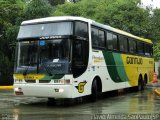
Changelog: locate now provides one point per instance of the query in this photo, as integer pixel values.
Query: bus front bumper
(50, 91)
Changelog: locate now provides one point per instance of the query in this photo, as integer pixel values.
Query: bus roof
(67, 18)
(58, 18)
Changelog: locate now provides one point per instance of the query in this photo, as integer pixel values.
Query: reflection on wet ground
(30, 108)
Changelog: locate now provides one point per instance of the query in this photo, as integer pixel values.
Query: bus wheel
(140, 85)
(94, 91)
(145, 81)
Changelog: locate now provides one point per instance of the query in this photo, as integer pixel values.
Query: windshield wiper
(26, 70)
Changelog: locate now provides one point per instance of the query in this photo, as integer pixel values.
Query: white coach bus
(71, 57)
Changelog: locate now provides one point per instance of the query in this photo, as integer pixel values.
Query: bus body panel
(43, 90)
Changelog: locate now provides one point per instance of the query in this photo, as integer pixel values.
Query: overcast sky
(154, 3)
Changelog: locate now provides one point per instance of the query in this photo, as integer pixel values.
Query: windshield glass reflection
(44, 56)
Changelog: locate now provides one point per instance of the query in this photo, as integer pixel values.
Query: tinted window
(81, 29)
(80, 57)
(132, 46)
(123, 44)
(151, 50)
(147, 49)
(109, 40)
(94, 37)
(112, 41)
(101, 38)
(140, 48)
(98, 39)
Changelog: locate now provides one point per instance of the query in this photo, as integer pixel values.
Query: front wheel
(94, 91)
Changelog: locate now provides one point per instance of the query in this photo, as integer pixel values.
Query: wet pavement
(125, 106)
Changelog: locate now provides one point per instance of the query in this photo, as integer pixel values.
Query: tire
(94, 91)
(145, 82)
(140, 85)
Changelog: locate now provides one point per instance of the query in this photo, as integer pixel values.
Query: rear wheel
(140, 84)
(145, 81)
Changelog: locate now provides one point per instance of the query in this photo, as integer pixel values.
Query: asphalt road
(134, 105)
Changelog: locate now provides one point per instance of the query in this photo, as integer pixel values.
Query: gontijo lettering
(134, 60)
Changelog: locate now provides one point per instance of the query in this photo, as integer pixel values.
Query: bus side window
(98, 38)
(94, 37)
(123, 44)
(140, 47)
(112, 41)
(109, 41)
(147, 49)
(151, 50)
(81, 29)
(132, 46)
(101, 39)
(115, 42)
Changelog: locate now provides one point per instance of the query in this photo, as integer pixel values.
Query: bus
(72, 57)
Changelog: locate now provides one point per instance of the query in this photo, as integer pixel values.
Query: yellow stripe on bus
(6, 87)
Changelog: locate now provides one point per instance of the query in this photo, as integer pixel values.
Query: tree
(156, 51)
(155, 25)
(123, 14)
(37, 9)
(56, 2)
(10, 12)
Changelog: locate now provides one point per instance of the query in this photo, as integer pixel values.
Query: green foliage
(156, 51)
(10, 10)
(12, 13)
(56, 2)
(122, 14)
(37, 9)
(155, 32)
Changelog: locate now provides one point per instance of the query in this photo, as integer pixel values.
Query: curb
(6, 87)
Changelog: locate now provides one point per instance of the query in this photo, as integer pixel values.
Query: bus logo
(134, 60)
(80, 87)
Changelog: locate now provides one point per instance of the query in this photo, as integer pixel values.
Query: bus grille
(30, 81)
(44, 81)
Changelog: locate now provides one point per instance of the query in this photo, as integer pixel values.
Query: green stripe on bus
(111, 66)
(56, 76)
(120, 67)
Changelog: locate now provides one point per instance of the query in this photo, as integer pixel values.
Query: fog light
(61, 90)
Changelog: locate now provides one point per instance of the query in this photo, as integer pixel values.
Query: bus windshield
(27, 56)
(44, 56)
